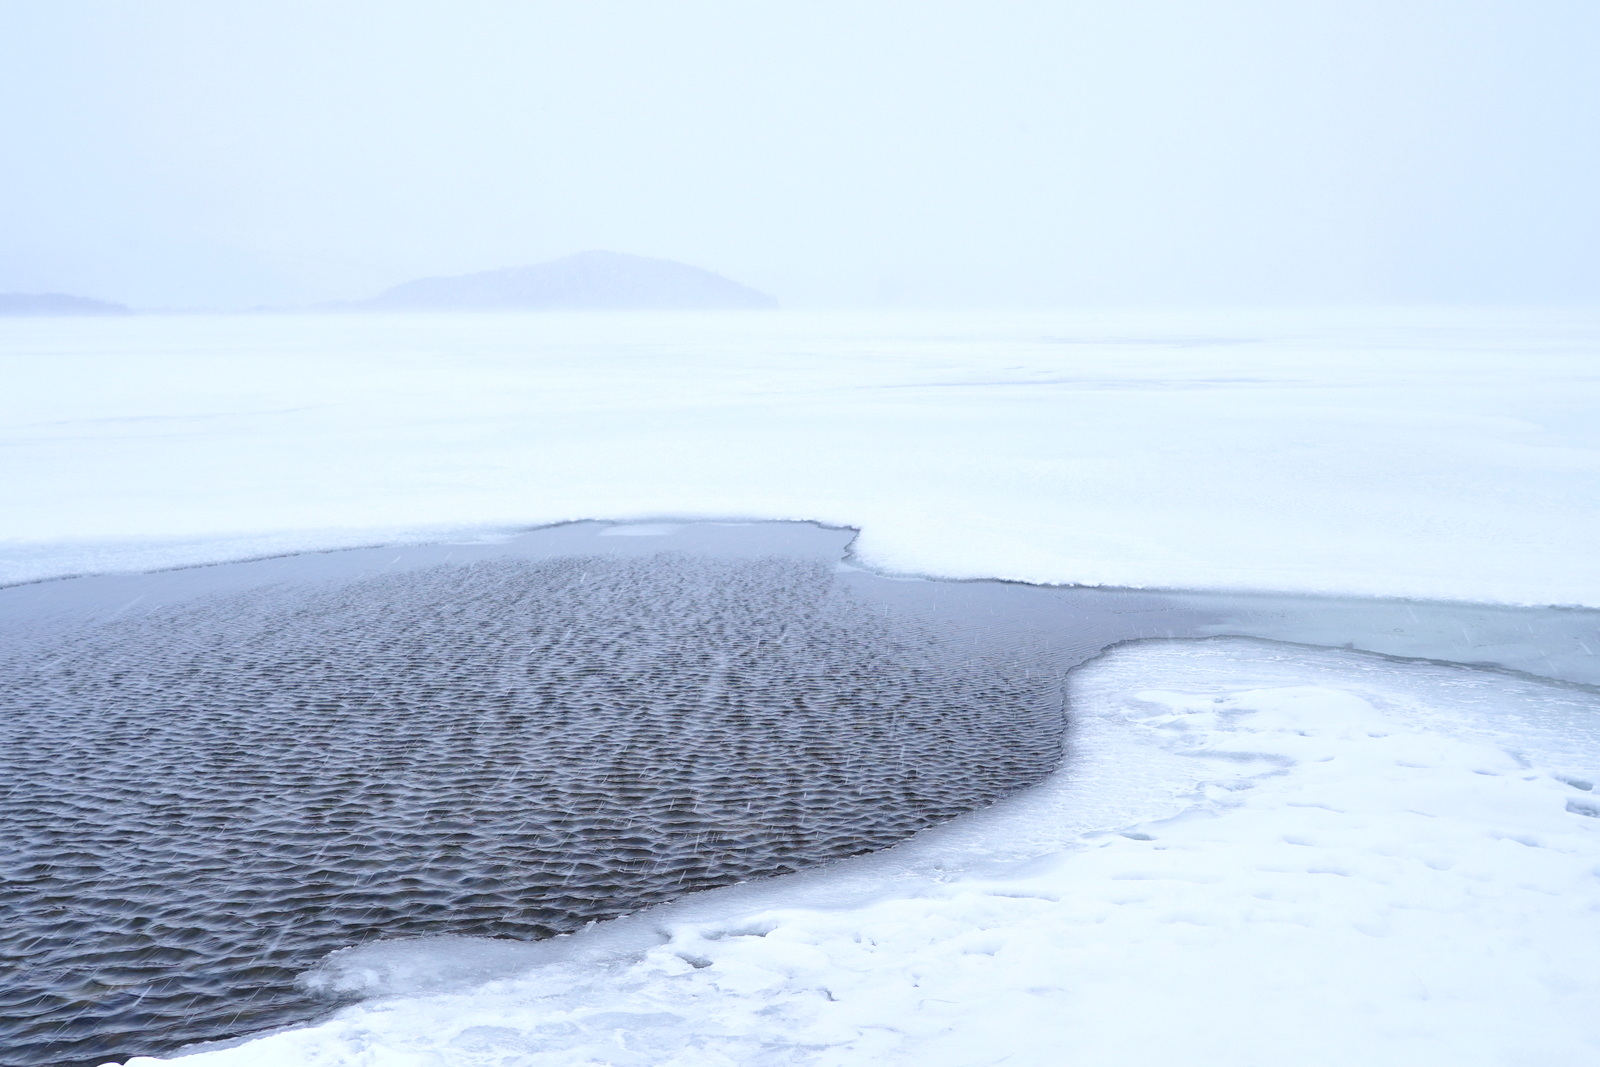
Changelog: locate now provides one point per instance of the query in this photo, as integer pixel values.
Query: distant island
(57, 304)
(585, 281)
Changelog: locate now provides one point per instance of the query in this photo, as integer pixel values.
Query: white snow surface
(1446, 453)
(1256, 854)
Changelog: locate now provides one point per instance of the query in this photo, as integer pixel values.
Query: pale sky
(193, 152)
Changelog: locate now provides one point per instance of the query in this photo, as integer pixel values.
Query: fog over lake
(167, 154)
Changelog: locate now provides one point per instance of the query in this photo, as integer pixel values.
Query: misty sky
(189, 152)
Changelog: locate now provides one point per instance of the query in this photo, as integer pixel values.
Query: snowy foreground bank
(1259, 854)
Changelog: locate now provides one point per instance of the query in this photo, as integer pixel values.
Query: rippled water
(216, 776)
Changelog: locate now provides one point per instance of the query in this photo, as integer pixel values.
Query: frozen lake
(1432, 453)
(1375, 498)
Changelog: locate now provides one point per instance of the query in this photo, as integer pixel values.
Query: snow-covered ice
(1261, 854)
(1450, 454)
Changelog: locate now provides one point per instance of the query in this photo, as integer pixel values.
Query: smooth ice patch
(1257, 854)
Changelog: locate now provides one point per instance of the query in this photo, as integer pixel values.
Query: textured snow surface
(1259, 854)
(1433, 454)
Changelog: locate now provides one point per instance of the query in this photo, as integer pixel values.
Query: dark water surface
(214, 776)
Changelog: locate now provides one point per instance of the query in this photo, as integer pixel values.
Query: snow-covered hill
(57, 304)
(586, 280)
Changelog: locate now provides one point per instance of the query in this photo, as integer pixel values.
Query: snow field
(1427, 453)
(1257, 854)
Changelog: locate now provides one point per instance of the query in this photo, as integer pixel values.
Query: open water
(217, 775)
